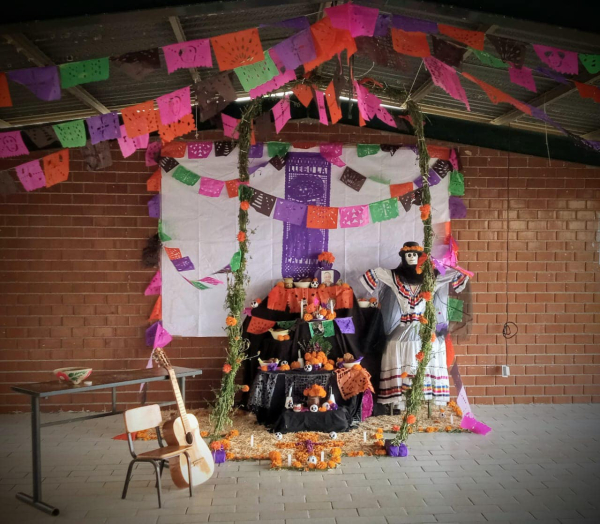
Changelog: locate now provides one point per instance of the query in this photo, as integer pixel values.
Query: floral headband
(411, 248)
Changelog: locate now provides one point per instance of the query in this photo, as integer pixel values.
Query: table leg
(36, 454)
(114, 400)
(182, 388)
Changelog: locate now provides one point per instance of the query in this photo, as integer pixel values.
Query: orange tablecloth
(280, 297)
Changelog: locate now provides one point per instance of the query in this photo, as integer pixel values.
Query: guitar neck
(178, 398)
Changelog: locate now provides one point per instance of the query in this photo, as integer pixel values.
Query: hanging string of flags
(318, 217)
(262, 72)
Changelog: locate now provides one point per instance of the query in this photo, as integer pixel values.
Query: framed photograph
(327, 277)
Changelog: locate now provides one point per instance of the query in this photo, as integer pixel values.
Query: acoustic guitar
(181, 431)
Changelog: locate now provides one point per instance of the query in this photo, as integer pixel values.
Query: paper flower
(244, 205)
(226, 368)
(420, 356)
(245, 388)
(241, 236)
(425, 211)
(404, 374)
(395, 428)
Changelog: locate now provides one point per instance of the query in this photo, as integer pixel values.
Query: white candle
(322, 456)
(364, 436)
(289, 461)
(451, 418)
(251, 441)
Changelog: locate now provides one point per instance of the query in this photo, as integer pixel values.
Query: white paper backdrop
(205, 229)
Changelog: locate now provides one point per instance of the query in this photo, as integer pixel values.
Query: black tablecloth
(326, 422)
(368, 340)
(268, 393)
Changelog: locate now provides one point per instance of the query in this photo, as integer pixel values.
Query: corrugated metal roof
(111, 35)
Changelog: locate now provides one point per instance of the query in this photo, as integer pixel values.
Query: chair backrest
(145, 417)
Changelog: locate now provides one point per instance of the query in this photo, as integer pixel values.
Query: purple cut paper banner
(210, 187)
(103, 127)
(211, 280)
(256, 151)
(199, 149)
(299, 23)
(154, 207)
(255, 168)
(152, 153)
(552, 74)
(163, 337)
(290, 212)
(382, 27)
(307, 181)
(458, 210)
(183, 264)
(296, 50)
(31, 175)
(11, 144)
(155, 285)
(151, 334)
(346, 325)
(43, 82)
(433, 178)
(406, 23)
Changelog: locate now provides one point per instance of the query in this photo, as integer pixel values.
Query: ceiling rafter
(552, 95)
(426, 87)
(40, 59)
(175, 22)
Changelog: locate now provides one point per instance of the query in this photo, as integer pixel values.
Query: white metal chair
(143, 418)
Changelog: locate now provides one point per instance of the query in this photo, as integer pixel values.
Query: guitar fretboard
(179, 399)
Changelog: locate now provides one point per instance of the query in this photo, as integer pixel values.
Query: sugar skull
(314, 284)
(333, 435)
(278, 436)
(374, 303)
(312, 459)
(308, 368)
(314, 408)
(326, 405)
(255, 303)
(283, 363)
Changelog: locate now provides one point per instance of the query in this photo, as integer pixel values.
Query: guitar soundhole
(189, 438)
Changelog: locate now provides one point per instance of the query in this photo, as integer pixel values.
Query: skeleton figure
(402, 307)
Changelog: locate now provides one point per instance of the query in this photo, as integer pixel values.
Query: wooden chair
(140, 419)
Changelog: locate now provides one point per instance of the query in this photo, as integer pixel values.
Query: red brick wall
(71, 280)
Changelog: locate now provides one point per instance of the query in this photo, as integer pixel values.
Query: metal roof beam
(552, 95)
(37, 56)
(175, 22)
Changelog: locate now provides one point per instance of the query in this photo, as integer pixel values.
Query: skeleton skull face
(374, 303)
(278, 436)
(314, 408)
(283, 363)
(411, 258)
(289, 404)
(308, 368)
(314, 283)
(312, 459)
(326, 405)
(254, 303)
(333, 435)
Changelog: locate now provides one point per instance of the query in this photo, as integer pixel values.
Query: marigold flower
(326, 256)
(226, 368)
(433, 337)
(429, 429)
(245, 388)
(426, 295)
(425, 211)
(230, 456)
(395, 428)
(423, 320)
(226, 444)
(204, 433)
(322, 465)
(420, 356)
(244, 205)
(411, 419)
(336, 452)
(381, 452)
(404, 374)
(241, 236)
(233, 433)
(331, 464)
(231, 321)
(297, 464)
(216, 445)
(448, 428)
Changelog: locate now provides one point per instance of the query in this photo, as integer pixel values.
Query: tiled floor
(539, 463)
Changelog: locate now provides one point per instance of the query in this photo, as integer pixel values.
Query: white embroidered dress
(404, 341)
